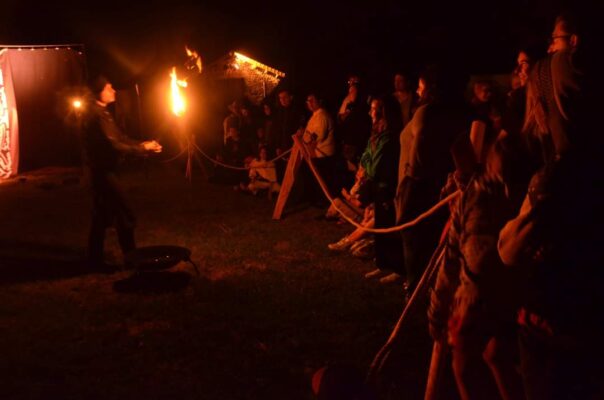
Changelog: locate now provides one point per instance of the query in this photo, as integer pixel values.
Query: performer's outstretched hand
(152, 145)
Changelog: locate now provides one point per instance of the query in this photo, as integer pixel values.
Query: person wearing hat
(103, 146)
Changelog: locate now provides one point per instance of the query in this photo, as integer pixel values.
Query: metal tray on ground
(157, 258)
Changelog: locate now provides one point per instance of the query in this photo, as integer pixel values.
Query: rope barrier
(175, 157)
(216, 162)
(406, 225)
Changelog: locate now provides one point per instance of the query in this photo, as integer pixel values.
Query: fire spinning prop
(179, 104)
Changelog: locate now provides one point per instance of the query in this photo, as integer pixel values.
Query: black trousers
(388, 246)
(110, 208)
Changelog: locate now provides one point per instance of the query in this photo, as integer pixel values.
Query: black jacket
(104, 143)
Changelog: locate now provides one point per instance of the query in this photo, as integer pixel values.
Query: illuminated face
(285, 99)
(107, 95)
(421, 88)
(560, 39)
(312, 103)
(400, 83)
(482, 92)
(522, 68)
(375, 111)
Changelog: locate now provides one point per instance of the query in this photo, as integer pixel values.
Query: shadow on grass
(153, 282)
(22, 262)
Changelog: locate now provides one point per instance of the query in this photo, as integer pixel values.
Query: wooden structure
(299, 152)
(242, 76)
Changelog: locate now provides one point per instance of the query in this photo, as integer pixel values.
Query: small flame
(77, 104)
(193, 61)
(179, 104)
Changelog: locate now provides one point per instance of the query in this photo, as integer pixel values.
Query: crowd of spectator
(517, 296)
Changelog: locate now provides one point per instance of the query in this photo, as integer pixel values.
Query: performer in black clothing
(104, 144)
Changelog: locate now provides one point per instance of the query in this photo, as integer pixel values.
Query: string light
(258, 66)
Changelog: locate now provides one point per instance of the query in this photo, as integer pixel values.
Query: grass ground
(270, 306)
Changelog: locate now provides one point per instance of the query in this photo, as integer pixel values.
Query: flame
(179, 104)
(193, 61)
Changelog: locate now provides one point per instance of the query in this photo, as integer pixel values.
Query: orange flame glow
(194, 61)
(179, 104)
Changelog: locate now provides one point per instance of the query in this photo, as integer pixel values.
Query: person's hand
(152, 145)
(360, 173)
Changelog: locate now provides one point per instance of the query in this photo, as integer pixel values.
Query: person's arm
(124, 144)
(419, 146)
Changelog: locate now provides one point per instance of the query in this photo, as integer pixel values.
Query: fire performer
(104, 144)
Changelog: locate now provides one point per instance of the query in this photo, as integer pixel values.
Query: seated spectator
(262, 141)
(349, 241)
(379, 163)
(349, 203)
(263, 175)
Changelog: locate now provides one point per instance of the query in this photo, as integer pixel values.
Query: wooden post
(293, 165)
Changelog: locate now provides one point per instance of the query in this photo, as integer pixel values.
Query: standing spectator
(288, 119)
(556, 238)
(425, 161)
(514, 115)
(403, 93)
(266, 123)
(475, 299)
(354, 123)
(233, 120)
(104, 144)
(247, 131)
(236, 152)
(319, 137)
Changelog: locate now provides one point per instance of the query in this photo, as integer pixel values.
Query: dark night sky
(316, 42)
